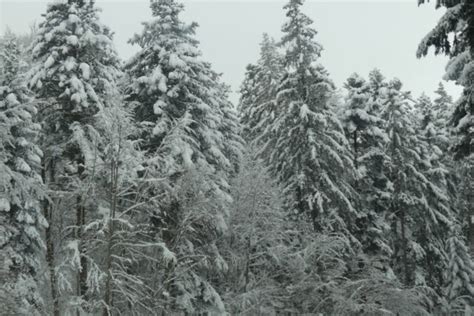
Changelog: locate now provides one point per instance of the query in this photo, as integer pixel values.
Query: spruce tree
(75, 73)
(442, 105)
(310, 156)
(367, 138)
(190, 137)
(258, 94)
(403, 174)
(458, 20)
(21, 188)
(420, 210)
(459, 275)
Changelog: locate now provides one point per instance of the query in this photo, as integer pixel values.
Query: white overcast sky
(357, 35)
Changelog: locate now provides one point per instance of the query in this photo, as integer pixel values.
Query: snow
(11, 99)
(304, 111)
(176, 62)
(73, 18)
(162, 85)
(22, 142)
(168, 256)
(70, 63)
(4, 205)
(157, 107)
(49, 62)
(86, 71)
(22, 166)
(72, 40)
(48, 37)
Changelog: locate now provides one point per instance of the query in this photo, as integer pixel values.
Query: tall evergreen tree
(257, 104)
(404, 176)
(442, 105)
(175, 93)
(190, 136)
(366, 135)
(459, 275)
(420, 210)
(21, 188)
(310, 156)
(75, 73)
(458, 21)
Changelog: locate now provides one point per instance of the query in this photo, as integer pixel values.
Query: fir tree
(190, 137)
(21, 188)
(257, 104)
(420, 211)
(442, 105)
(310, 156)
(459, 289)
(402, 166)
(75, 73)
(175, 93)
(366, 136)
(458, 20)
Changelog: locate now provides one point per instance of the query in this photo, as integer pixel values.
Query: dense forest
(137, 188)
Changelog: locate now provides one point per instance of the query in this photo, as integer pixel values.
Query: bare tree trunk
(114, 200)
(404, 248)
(47, 212)
(80, 222)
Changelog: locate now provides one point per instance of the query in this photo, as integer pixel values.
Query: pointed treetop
(355, 81)
(443, 94)
(376, 76)
(9, 58)
(166, 9)
(302, 49)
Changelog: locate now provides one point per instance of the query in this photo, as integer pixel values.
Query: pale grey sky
(357, 35)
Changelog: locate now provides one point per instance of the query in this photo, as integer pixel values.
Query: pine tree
(310, 156)
(75, 72)
(257, 104)
(21, 188)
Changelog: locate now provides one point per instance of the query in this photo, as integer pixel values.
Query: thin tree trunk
(404, 247)
(356, 149)
(114, 199)
(47, 212)
(80, 222)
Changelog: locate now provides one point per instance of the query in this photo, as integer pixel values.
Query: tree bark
(114, 200)
(404, 248)
(47, 213)
(80, 222)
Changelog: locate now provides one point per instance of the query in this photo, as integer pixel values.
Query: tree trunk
(47, 212)
(80, 222)
(114, 200)
(404, 248)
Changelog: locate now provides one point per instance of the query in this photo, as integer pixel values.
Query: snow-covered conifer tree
(310, 155)
(459, 276)
(21, 188)
(190, 137)
(367, 138)
(457, 21)
(75, 72)
(258, 94)
(420, 212)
